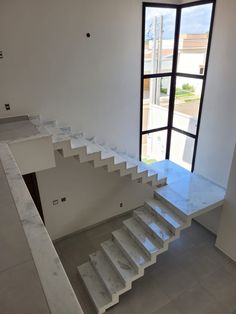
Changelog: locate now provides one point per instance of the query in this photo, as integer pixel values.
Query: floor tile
(222, 286)
(198, 301)
(147, 295)
(178, 274)
(169, 308)
(20, 288)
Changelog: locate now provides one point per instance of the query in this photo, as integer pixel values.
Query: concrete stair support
(76, 145)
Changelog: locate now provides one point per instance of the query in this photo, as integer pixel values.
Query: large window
(176, 41)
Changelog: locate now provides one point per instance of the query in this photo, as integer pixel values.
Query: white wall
(93, 195)
(227, 232)
(218, 128)
(51, 67)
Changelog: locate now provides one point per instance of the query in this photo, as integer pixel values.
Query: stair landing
(191, 193)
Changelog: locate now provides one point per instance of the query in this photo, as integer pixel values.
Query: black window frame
(174, 74)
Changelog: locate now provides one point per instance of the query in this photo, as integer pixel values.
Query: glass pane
(154, 147)
(187, 102)
(193, 42)
(156, 94)
(159, 40)
(181, 150)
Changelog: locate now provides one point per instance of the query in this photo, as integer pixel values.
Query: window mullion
(173, 81)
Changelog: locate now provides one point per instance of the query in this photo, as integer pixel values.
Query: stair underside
(88, 150)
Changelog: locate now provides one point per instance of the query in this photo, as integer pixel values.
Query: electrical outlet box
(63, 199)
(55, 202)
(121, 204)
(1, 54)
(7, 107)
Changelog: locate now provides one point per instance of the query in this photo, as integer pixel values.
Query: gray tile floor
(193, 277)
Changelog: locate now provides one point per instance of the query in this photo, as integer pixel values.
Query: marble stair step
(165, 214)
(77, 142)
(95, 287)
(143, 238)
(137, 256)
(81, 141)
(129, 169)
(141, 168)
(106, 152)
(108, 275)
(118, 159)
(153, 225)
(120, 263)
(150, 172)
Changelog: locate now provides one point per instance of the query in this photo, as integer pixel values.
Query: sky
(194, 20)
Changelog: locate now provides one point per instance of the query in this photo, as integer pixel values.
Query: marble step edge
(64, 135)
(165, 214)
(144, 239)
(132, 251)
(121, 167)
(120, 263)
(176, 209)
(154, 226)
(96, 157)
(108, 275)
(95, 287)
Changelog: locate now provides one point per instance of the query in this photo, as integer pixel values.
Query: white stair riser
(84, 157)
(150, 179)
(164, 244)
(151, 256)
(175, 209)
(97, 163)
(175, 231)
(116, 167)
(130, 171)
(139, 269)
(126, 283)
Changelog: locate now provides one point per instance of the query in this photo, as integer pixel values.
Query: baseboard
(13, 119)
(93, 226)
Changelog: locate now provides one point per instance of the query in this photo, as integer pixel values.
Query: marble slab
(125, 270)
(157, 228)
(169, 170)
(165, 214)
(143, 238)
(132, 251)
(107, 274)
(192, 194)
(96, 288)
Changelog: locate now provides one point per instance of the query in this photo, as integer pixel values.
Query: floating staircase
(88, 150)
(123, 258)
(111, 270)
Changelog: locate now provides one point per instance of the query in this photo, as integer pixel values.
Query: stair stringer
(85, 150)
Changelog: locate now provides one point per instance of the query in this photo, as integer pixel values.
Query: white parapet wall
(227, 229)
(34, 153)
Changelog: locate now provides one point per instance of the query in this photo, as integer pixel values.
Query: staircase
(111, 270)
(88, 150)
(122, 259)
